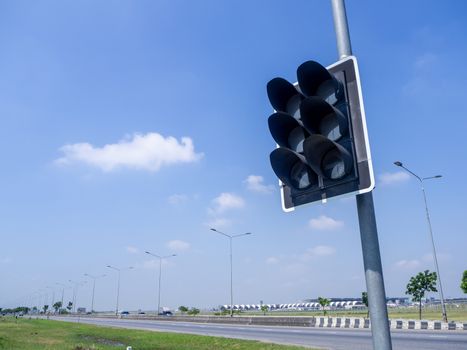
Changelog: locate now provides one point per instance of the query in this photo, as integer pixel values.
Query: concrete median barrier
(299, 321)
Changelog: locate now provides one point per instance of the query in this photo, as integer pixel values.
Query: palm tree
(323, 302)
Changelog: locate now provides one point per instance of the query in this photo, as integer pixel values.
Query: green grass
(458, 314)
(25, 334)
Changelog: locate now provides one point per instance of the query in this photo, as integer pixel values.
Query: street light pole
(74, 284)
(63, 290)
(160, 276)
(53, 295)
(435, 259)
(231, 237)
(118, 283)
(75, 292)
(93, 288)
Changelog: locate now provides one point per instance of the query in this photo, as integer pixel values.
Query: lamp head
(397, 163)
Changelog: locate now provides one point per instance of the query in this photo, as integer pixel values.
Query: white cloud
(148, 151)
(422, 79)
(425, 61)
(218, 223)
(226, 201)
(178, 245)
(407, 264)
(5, 260)
(255, 184)
(439, 256)
(318, 251)
(153, 264)
(272, 260)
(132, 250)
(393, 178)
(325, 223)
(177, 199)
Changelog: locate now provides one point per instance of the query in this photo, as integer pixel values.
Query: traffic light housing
(320, 130)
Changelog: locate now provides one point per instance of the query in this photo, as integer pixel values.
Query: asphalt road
(326, 338)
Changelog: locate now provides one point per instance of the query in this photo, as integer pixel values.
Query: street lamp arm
(432, 177)
(222, 233)
(399, 164)
(242, 234)
(169, 256)
(154, 255)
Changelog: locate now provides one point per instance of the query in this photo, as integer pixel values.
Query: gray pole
(160, 281)
(231, 279)
(93, 289)
(366, 217)
(435, 259)
(342, 29)
(160, 277)
(231, 237)
(118, 293)
(443, 306)
(76, 297)
(118, 283)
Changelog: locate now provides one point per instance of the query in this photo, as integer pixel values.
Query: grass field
(25, 334)
(458, 314)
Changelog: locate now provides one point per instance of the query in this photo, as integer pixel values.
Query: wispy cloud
(318, 251)
(5, 260)
(178, 245)
(425, 61)
(177, 199)
(420, 80)
(386, 179)
(153, 264)
(325, 223)
(407, 264)
(226, 201)
(272, 260)
(218, 223)
(439, 256)
(132, 250)
(255, 183)
(149, 152)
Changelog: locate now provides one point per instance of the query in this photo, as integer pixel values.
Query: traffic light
(320, 130)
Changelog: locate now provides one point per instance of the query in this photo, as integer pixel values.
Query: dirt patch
(103, 341)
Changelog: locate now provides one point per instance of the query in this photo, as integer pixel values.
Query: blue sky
(131, 126)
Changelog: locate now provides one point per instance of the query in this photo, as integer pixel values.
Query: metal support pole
(443, 305)
(231, 279)
(342, 29)
(435, 259)
(231, 237)
(118, 293)
(92, 300)
(373, 273)
(160, 281)
(74, 297)
(366, 216)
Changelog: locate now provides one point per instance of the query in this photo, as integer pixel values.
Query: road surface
(326, 338)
